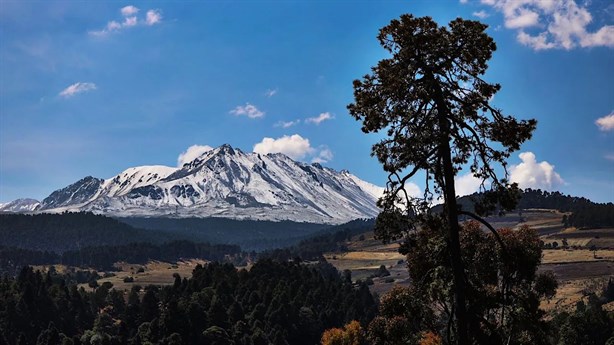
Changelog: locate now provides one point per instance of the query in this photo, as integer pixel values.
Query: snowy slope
(226, 182)
(136, 177)
(20, 206)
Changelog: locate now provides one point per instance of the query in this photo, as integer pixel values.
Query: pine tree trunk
(451, 211)
(455, 250)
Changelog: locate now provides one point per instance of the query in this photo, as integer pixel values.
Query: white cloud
(153, 17)
(467, 184)
(270, 92)
(481, 14)
(129, 10)
(320, 118)
(606, 123)
(533, 174)
(539, 42)
(294, 146)
(609, 156)
(77, 88)
(248, 110)
(464, 1)
(413, 190)
(286, 124)
(113, 25)
(522, 18)
(130, 20)
(192, 153)
(561, 24)
(323, 156)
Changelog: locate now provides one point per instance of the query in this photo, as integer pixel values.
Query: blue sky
(94, 88)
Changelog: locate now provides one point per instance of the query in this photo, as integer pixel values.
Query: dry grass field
(364, 259)
(576, 255)
(571, 292)
(578, 270)
(155, 273)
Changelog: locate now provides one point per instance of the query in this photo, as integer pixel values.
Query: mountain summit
(225, 182)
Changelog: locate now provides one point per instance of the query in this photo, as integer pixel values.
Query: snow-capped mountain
(225, 182)
(20, 206)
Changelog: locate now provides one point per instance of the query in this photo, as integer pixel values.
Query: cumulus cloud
(467, 184)
(270, 92)
(552, 24)
(323, 156)
(153, 17)
(248, 110)
(192, 153)
(286, 124)
(129, 10)
(606, 123)
(295, 147)
(77, 88)
(522, 18)
(130, 20)
(413, 190)
(481, 14)
(320, 118)
(532, 174)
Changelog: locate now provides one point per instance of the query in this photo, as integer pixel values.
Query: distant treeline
(103, 257)
(249, 234)
(272, 303)
(313, 248)
(72, 231)
(584, 213)
(69, 231)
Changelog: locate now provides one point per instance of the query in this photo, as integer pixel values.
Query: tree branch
(494, 232)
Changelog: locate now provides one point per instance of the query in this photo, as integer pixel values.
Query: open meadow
(152, 273)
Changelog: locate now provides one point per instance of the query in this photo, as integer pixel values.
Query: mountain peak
(76, 193)
(225, 182)
(226, 149)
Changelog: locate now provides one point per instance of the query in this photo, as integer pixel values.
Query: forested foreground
(295, 302)
(272, 303)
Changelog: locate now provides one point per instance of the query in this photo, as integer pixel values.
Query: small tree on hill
(431, 101)
(350, 334)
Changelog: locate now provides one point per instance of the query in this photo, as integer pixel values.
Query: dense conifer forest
(272, 303)
(68, 231)
(75, 231)
(104, 257)
(584, 213)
